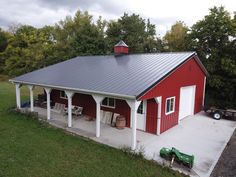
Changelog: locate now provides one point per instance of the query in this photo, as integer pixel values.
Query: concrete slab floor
(199, 135)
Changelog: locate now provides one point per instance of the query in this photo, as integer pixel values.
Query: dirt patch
(226, 166)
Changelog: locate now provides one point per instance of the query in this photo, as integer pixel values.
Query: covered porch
(111, 136)
(189, 137)
(96, 130)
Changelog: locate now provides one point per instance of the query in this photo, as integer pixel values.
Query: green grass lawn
(30, 148)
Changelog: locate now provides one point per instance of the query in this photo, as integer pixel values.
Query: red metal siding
(83, 100)
(89, 105)
(188, 74)
(55, 97)
(151, 119)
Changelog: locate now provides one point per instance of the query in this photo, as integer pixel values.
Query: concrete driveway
(199, 135)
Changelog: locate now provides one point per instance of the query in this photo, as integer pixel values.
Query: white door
(186, 101)
(141, 116)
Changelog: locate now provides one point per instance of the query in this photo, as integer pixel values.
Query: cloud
(4, 22)
(45, 12)
(107, 6)
(29, 12)
(162, 13)
(68, 4)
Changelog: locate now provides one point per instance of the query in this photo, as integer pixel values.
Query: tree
(214, 39)
(29, 48)
(80, 36)
(139, 35)
(176, 38)
(3, 45)
(3, 40)
(33, 48)
(151, 43)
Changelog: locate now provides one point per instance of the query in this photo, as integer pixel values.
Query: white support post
(158, 101)
(98, 99)
(18, 102)
(31, 88)
(69, 95)
(134, 107)
(48, 91)
(204, 90)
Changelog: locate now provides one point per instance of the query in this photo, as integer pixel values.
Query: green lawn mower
(175, 155)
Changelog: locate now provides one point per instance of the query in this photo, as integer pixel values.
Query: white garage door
(186, 102)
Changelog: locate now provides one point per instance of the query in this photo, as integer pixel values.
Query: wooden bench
(76, 110)
(59, 108)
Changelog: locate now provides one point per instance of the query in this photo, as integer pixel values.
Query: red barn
(152, 91)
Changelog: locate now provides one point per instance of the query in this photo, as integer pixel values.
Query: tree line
(24, 48)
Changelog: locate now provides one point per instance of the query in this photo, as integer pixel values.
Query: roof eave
(201, 65)
(85, 91)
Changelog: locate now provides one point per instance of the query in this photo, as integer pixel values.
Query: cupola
(121, 48)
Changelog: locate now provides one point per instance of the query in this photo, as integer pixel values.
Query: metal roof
(121, 43)
(126, 75)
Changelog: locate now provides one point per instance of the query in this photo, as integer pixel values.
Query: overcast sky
(163, 13)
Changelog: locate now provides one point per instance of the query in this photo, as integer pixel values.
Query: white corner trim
(204, 90)
(159, 102)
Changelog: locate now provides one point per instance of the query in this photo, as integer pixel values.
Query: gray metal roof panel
(121, 43)
(124, 75)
